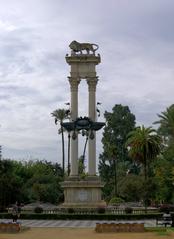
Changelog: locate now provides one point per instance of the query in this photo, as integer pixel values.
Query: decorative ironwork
(82, 124)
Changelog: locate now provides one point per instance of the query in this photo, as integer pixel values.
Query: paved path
(74, 223)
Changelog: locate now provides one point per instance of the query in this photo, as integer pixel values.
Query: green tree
(166, 128)
(164, 170)
(10, 184)
(114, 161)
(144, 145)
(44, 184)
(164, 179)
(29, 181)
(60, 115)
(131, 188)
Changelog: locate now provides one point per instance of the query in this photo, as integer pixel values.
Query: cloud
(136, 45)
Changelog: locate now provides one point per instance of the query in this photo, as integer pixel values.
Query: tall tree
(164, 179)
(60, 115)
(114, 160)
(166, 128)
(144, 145)
(164, 170)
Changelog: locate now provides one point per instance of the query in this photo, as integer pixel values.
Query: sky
(136, 44)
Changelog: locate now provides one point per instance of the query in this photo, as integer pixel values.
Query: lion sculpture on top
(79, 47)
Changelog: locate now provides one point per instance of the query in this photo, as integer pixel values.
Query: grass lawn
(86, 233)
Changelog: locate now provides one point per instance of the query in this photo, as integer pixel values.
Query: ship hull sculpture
(86, 192)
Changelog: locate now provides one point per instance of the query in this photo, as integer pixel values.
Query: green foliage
(144, 146)
(10, 184)
(114, 161)
(164, 178)
(131, 188)
(101, 210)
(128, 210)
(38, 210)
(166, 208)
(166, 128)
(164, 169)
(71, 210)
(115, 200)
(119, 123)
(29, 181)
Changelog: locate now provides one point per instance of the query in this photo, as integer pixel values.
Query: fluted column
(74, 82)
(92, 82)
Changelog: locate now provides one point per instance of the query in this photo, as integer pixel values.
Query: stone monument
(86, 192)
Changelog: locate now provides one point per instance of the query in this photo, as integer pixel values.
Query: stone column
(92, 82)
(74, 82)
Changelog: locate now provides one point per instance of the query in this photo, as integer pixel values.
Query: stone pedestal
(80, 193)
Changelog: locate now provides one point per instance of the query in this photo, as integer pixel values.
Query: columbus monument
(84, 192)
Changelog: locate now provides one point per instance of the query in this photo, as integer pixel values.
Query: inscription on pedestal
(83, 195)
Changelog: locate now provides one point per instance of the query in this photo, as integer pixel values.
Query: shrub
(166, 208)
(38, 209)
(71, 210)
(101, 210)
(128, 210)
(116, 200)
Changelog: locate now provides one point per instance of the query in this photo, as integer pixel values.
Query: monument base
(80, 193)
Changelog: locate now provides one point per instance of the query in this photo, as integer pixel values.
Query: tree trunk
(145, 180)
(85, 147)
(115, 179)
(63, 151)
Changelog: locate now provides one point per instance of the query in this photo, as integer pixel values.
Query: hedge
(73, 216)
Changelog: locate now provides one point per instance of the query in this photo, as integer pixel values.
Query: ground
(82, 233)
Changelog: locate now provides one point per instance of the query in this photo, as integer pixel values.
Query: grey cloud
(136, 47)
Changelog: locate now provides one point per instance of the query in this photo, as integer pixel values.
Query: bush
(166, 208)
(101, 210)
(128, 210)
(71, 210)
(116, 200)
(38, 210)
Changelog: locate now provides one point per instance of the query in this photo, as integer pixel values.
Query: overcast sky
(136, 44)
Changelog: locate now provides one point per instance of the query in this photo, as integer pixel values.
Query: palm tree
(60, 115)
(166, 123)
(144, 145)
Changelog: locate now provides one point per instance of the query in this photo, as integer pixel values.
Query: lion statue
(79, 47)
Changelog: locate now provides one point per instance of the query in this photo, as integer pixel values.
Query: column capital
(74, 82)
(92, 82)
